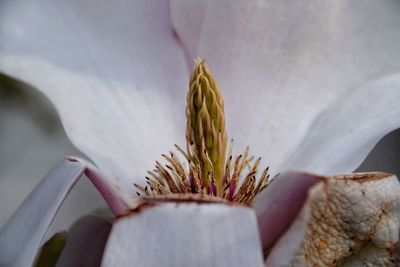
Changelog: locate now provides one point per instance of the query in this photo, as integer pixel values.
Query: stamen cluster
(176, 178)
(206, 171)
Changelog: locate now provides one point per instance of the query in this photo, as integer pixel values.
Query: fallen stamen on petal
(207, 171)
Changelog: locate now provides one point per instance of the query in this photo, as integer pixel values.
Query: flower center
(207, 170)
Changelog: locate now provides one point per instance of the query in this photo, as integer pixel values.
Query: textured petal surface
(185, 234)
(343, 135)
(350, 220)
(112, 69)
(22, 235)
(279, 63)
(85, 243)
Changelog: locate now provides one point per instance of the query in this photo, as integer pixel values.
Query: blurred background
(32, 140)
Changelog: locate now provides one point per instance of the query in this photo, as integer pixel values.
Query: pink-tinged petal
(185, 233)
(114, 71)
(85, 244)
(342, 136)
(280, 203)
(352, 220)
(115, 196)
(22, 235)
(280, 63)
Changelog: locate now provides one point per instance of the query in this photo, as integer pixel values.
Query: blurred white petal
(22, 235)
(185, 234)
(188, 18)
(279, 63)
(343, 135)
(114, 71)
(85, 243)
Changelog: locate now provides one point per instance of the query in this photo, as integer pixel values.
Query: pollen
(207, 167)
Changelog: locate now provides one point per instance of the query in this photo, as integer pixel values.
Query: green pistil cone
(205, 129)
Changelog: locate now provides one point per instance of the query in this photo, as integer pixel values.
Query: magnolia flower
(310, 86)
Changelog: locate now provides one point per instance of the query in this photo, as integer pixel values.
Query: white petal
(279, 63)
(343, 135)
(21, 236)
(185, 234)
(352, 220)
(85, 243)
(114, 71)
(280, 204)
(188, 18)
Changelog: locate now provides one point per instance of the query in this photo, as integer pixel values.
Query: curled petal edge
(23, 234)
